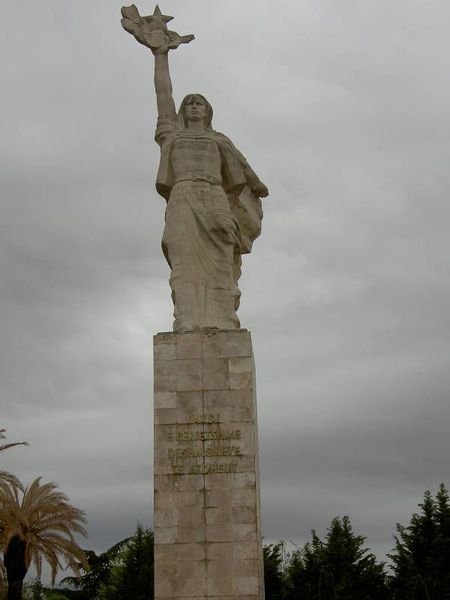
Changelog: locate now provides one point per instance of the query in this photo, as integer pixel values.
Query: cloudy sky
(342, 109)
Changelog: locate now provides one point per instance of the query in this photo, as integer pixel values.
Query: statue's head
(194, 108)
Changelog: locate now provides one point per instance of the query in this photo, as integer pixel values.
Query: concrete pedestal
(207, 505)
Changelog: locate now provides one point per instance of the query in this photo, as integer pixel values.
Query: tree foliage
(132, 576)
(273, 571)
(341, 555)
(423, 549)
(326, 586)
(6, 477)
(98, 569)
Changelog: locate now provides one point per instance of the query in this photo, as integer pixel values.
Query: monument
(207, 504)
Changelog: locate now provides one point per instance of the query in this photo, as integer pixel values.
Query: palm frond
(42, 516)
(11, 444)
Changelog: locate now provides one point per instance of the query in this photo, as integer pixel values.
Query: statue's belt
(197, 176)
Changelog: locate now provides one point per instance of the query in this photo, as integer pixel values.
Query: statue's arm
(163, 87)
(254, 182)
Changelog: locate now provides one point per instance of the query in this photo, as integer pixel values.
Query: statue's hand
(152, 31)
(260, 190)
(153, 38)
(176, 40)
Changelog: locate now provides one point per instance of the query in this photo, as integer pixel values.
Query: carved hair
(182, 112)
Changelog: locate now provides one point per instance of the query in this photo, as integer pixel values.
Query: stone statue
(213, 195)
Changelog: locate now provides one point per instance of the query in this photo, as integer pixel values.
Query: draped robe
(211, 219)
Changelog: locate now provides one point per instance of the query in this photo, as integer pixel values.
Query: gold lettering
(203, 419)
(211, 468)
(205, 436)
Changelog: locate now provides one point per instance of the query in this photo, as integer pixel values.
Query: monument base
(207, 505)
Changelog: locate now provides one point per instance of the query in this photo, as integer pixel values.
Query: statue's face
(195, 109)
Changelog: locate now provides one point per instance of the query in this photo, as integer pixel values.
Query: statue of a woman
(213, 196)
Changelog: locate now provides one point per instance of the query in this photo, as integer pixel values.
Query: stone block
(245, 533)
(217, 569)
(165, 535)
(164, 586)
(166, 416)
(245, 568)
(245, 551)
(218, 497)
(189, 482)
(243, 480)
(190, 534)
(189, 345)
(243, 514)
(189, 499)
(220, 533)
(165, 400)
(218, 481)
(220, 550)
(219, 586)
(243, 497)
(215, 345)
(192, 517)
(190, 551)
(190, 401)
(166, 337)
(241, 376)
(239, 343)
(190, 578)
(215, 374)
(166, 351)
(219, 515)
(246, 585)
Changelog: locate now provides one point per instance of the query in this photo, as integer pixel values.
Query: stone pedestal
(207, 508)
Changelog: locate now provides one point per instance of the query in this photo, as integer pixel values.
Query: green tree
(423, 548)
(34, 591)
(356, 573)
(420, 590)
(326, 586)
(55, 595)
(132, 576)
(97, 571)
(273, 571)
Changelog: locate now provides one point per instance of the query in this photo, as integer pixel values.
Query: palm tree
(4, 475)
(37, 523)
(10, 445)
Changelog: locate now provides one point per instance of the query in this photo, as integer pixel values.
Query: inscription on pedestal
(177, 452)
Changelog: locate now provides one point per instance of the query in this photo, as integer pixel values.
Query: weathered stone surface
(214, 208)
(207, 516)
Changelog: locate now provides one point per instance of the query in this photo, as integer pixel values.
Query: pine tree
(420, 590)
(273, 571)
(326, 587)
(356, 573)
(423, 548)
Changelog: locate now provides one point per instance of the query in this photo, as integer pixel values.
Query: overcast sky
(342, 108)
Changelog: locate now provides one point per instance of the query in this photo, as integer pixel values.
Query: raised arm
(152, 32)
(163, 87)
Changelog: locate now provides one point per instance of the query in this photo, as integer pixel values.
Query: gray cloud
(343, 110)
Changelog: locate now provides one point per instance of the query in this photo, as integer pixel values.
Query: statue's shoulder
(221, 137)
(165, 129)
